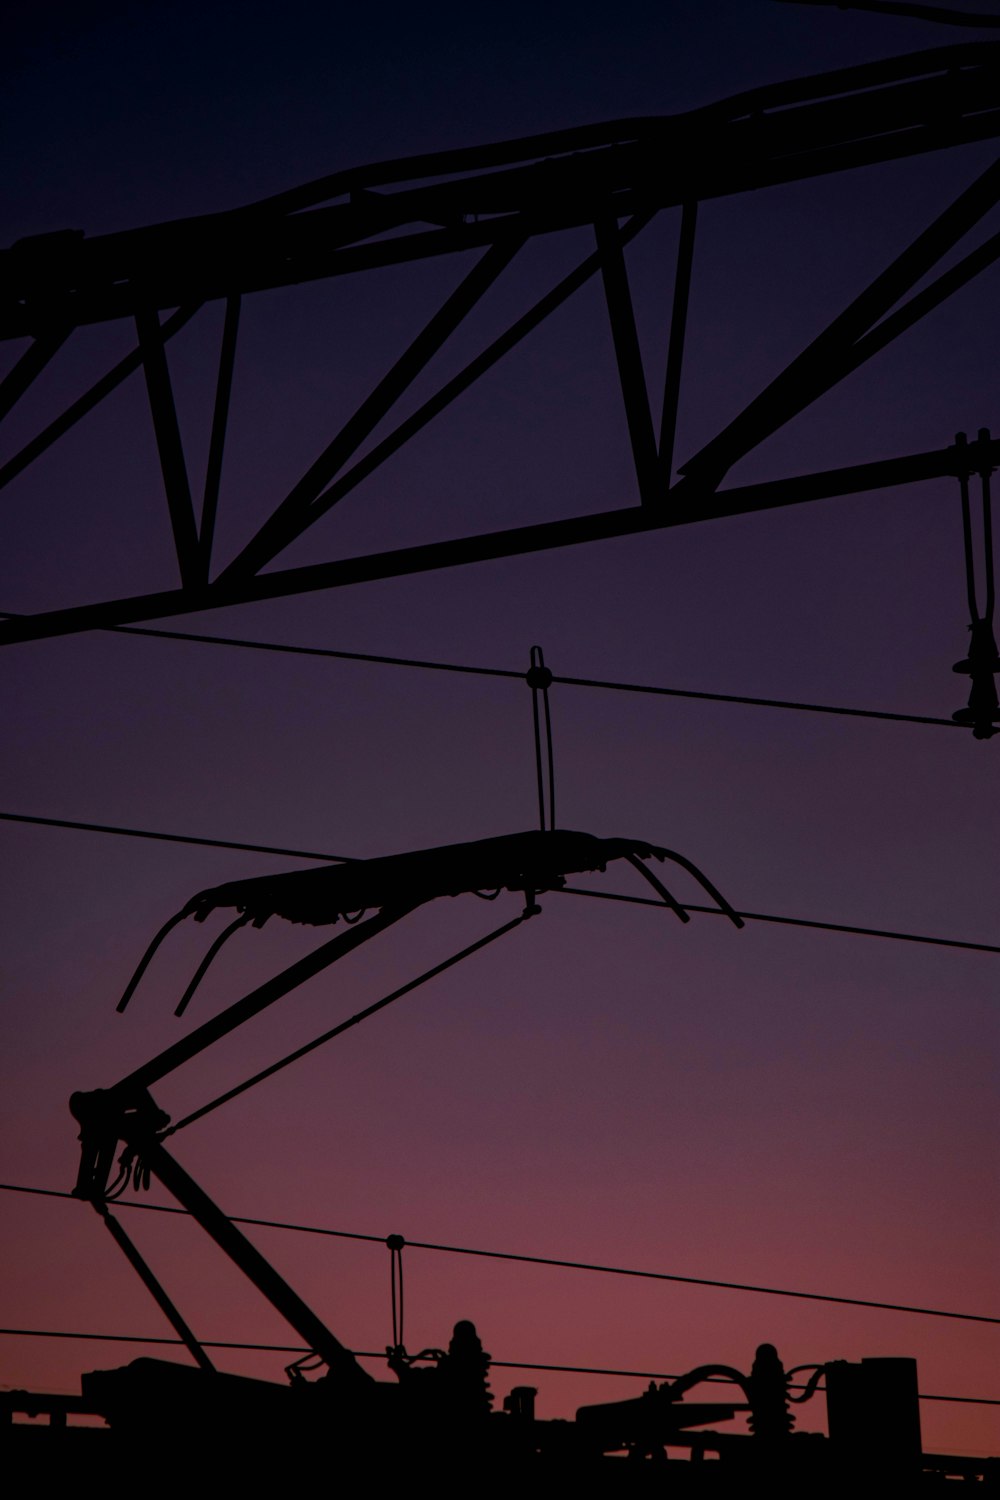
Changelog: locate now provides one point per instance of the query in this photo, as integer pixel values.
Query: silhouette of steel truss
(484, 204)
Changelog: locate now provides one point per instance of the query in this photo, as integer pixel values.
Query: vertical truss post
(675, 349)
(168, 442)
(629, 357)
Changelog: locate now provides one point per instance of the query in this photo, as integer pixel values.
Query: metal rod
(920, 305)
(303, 505)
(213, 469)
(168, 442)
(459, 552)
(259, 999)
(538, 759)
(476, 367)
(961, 444)
(29, 367)
(157, 1160)
(629, 357)
(90, 398)
(341, 1027)
(820, 365)
(792, 131)
(675, 348)
(153, 1286)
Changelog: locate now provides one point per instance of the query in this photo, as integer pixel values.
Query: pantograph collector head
(528, 864)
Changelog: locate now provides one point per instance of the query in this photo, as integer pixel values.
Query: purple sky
(787, 1107)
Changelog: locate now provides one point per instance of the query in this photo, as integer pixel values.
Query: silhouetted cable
(496, 1364)
(170, 838)
(745, 916)
(568, 890)
(363, 656)
(585, 682)
(759, 916)
(361, 1015)
(542, 1260)
(789, 703)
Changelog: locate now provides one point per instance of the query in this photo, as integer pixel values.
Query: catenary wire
(759, 916)
(179, 838)
(542, 1260)
(496, 1364)
(584, 682)
(169, 838)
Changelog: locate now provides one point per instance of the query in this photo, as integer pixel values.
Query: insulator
(767, 1391)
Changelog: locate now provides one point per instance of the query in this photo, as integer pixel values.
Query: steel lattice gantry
(482, 205)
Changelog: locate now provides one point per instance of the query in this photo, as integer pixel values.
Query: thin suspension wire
(496, 1364)
(541, 1260)
(361, 1015)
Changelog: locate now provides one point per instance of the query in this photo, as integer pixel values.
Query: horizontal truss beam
(735, 501)
(785, 133)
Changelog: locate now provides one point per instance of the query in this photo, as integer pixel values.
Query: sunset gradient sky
(776, 1106)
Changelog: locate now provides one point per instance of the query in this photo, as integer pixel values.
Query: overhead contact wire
(171, 838)
(586, 682)
(759, 916)
(541, 1260)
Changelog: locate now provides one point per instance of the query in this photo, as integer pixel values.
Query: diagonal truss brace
(168, 442)
(306, 502)
(856, 333)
